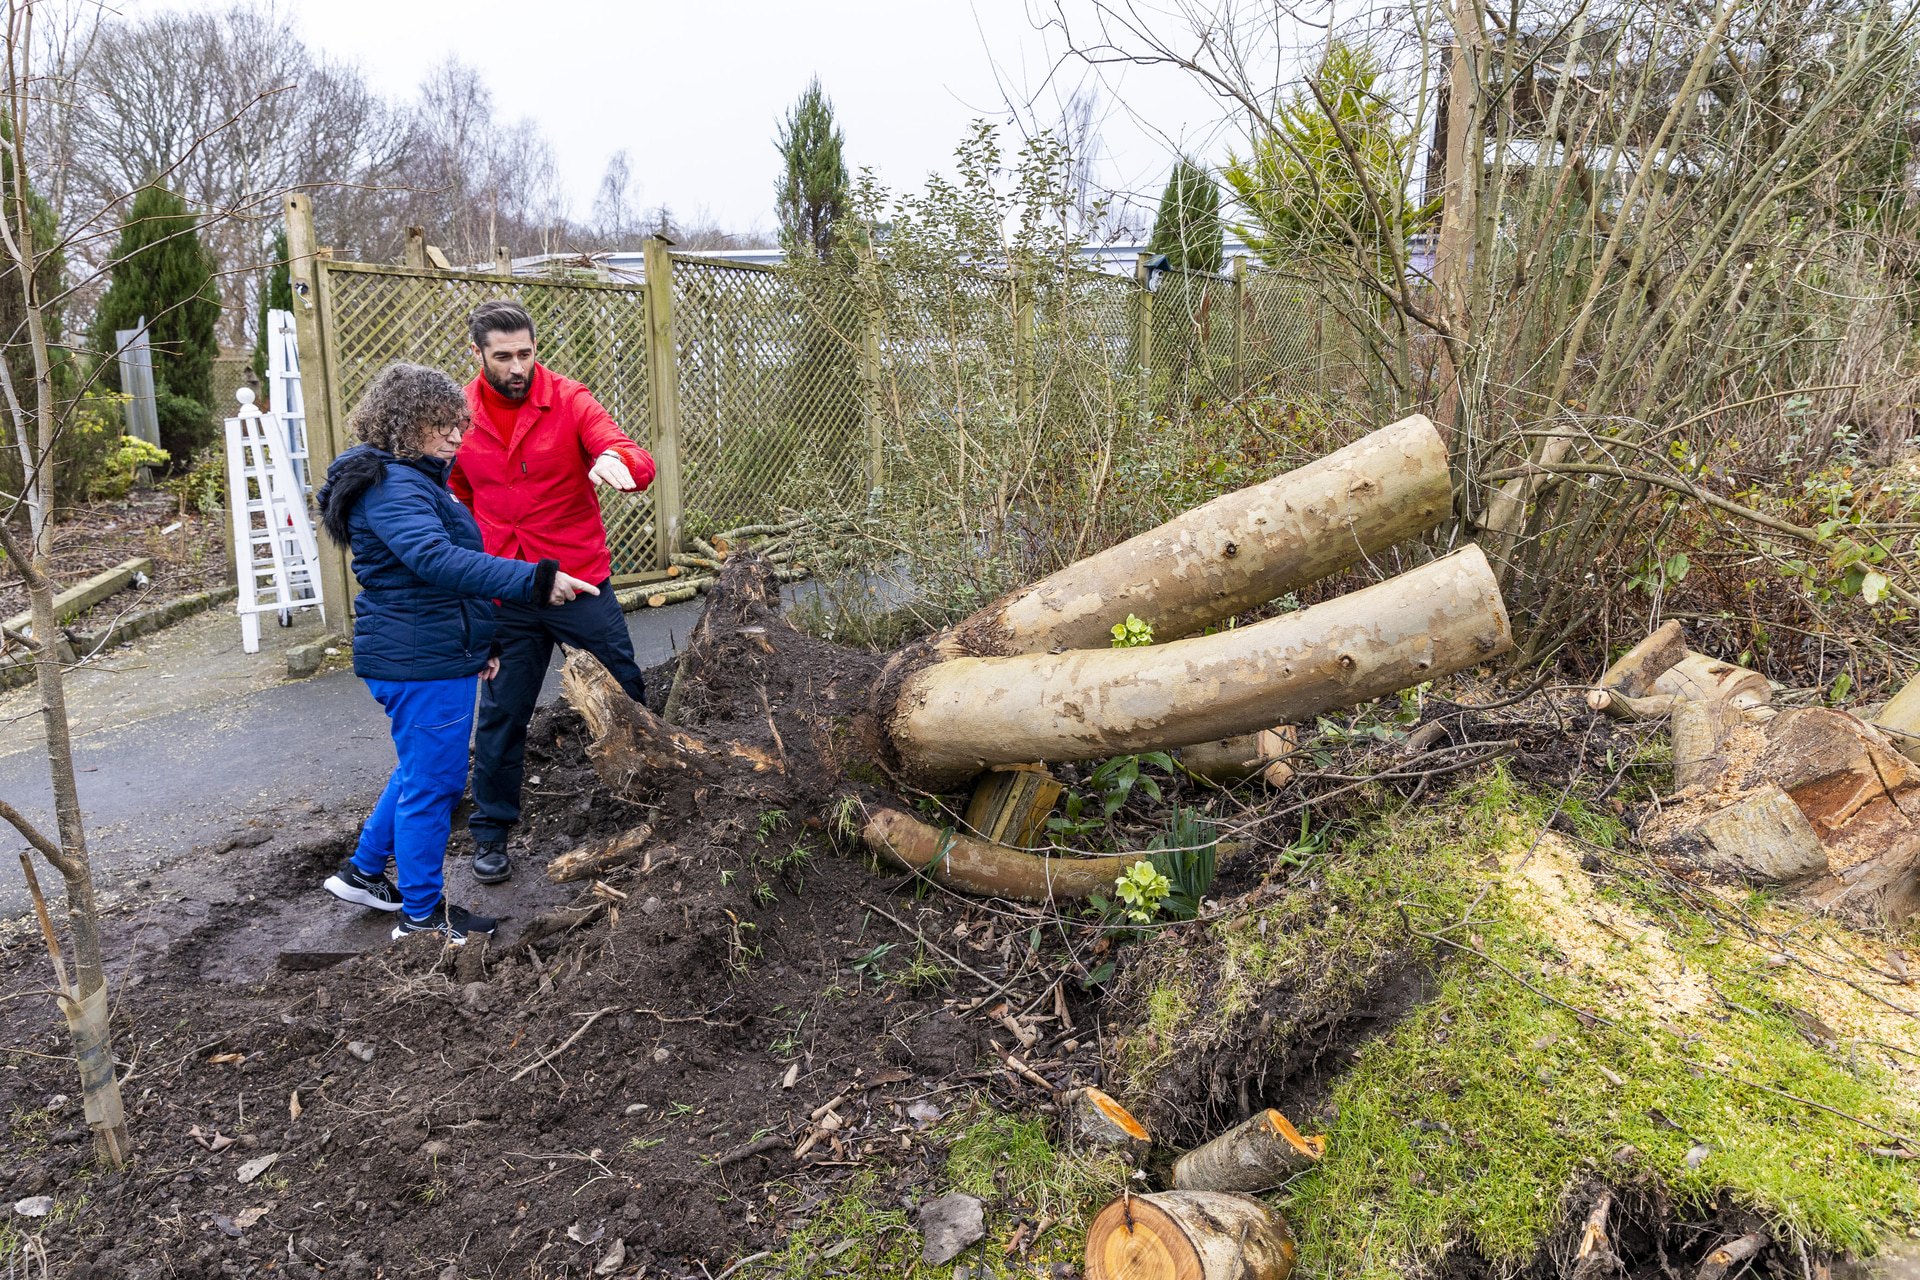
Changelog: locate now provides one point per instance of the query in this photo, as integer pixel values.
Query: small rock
(580, 1234)
(1697, 1155)
(434, 1150)
(614, 1258)
(662, 1055)
(651, 907)
(360, 1050)
(226, 1225)
(256, 1166)
(948, 1225)
(34, 1206)
(922, 1114)
(635, 1108)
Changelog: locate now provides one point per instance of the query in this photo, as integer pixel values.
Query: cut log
(1189, 1235)
(1832, 764)
(975, 866)
(1900, 719)
(1235, 759)
(1647, 661)
(1701, 678)
(1094, 1120)
(1700, 731)
(1763, 837)
(1256, 1154)
(1011, 803)
(596, 856)
(1235, 553)
(952, 719)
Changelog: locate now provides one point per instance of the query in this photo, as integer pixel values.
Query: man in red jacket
(538, 445)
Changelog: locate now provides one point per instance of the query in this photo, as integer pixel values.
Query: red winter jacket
(528, 488)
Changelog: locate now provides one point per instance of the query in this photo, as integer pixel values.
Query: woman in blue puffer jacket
(422, 632)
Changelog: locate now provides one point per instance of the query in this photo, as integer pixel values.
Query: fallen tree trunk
(1232, 554)
(952, 719)
(977, 866)
(1189, 1235)
(1260, 1152)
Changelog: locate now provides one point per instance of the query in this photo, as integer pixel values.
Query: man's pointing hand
(609, 470)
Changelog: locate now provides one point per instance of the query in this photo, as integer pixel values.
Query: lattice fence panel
(772, 404)
(1288, 324)
(594, 333)
(1191, 342)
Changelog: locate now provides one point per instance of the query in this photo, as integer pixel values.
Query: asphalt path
(185, 743)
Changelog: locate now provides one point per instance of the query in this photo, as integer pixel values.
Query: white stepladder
(275, 558)
(283, 390)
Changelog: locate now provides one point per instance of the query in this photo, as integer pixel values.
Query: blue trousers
(526, 635)
(431, 721)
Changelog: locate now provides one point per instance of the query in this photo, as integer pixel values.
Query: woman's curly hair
(404, 404)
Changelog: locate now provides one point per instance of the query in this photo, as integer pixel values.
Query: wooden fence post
(503, 261)
(1240, 326)
(325, 428)
(1143, 335)
(663, 398)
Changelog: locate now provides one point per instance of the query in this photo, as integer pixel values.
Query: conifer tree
(813, 193)
(1187, 228)
(161, 271)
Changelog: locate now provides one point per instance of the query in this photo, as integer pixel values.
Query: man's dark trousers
(527, 634)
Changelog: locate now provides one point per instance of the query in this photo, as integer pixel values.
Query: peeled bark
(1189, 1235)
(1260, 1152)
(1232, 554)
(976, 866)
(955, 718)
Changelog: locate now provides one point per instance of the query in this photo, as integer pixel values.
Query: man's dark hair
(502, 315)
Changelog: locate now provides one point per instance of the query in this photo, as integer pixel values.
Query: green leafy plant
(1132, 633)
(1110, 787)
(1186, 853)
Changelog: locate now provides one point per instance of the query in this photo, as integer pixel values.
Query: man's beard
(512, 389)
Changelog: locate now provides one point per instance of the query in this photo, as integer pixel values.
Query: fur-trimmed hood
(356, 471)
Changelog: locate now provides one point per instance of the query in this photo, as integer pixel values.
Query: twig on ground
(566, 1044)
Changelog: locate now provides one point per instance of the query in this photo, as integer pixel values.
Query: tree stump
(1011, 803)
(1094, 1120)
(1189, 1235)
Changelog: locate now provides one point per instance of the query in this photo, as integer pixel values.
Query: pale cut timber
(1235, 759)
(1189, 1235)
(952, 719)
(1900, 719)
(1011, 803)
(1235, 553)
(592, 858)
(1094, 1120)
(1647, 661)
(1621, 707)
(1260, 1152)
(1763, 837)
(975, 866)
(1698, 677)
(1700, 731)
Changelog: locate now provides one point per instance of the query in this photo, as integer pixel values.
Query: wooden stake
(1189, 1235)
(1260, 1152)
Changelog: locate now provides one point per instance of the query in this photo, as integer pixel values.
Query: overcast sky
(694, 92)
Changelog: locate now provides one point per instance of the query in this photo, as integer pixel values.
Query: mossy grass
(1480, 1113)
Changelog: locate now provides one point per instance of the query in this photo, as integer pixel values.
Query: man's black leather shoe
(490, 862)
